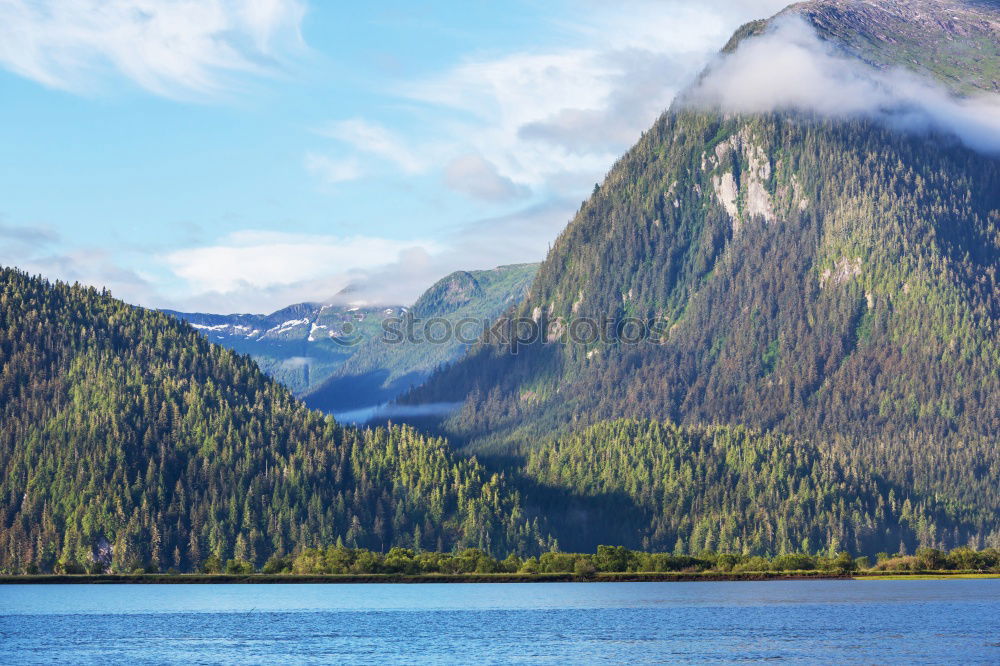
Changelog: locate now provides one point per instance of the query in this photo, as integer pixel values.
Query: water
(793, 621)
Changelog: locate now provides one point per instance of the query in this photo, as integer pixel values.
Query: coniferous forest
(819, 373)
(128, 441)
(852, 306)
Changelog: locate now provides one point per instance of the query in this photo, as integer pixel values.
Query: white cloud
(487, 104)
(25, 238)
(554, 117)
(478, 178)
(333, 170)
(261, 260)
(263, 272)
(296, 362)
(175, 48)
(791, 68)
(39, 250)
(371, 138)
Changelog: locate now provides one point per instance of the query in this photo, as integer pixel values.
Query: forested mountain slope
(438, 329)
(867, 303)
(731, 489)
(127, 438)
(818, 301)
(829, 277)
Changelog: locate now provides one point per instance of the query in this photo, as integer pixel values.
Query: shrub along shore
(639, 577)
(338, 564)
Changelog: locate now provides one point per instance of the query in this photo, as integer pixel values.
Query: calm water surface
(792, 621)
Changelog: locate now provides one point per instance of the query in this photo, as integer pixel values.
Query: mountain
(300, 345)
(955, 42)
(828, 277)
(127, 440)
(438, 329)
(336, 356)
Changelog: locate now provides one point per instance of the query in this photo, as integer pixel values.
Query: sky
(244, 155)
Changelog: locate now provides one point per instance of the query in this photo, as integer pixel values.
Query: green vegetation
(608, 563)
(128, 442)
(689, 489)
(131, 444)
(877, 279)
(829, 284)
(828, 295)
(931, 559)
(607, 559)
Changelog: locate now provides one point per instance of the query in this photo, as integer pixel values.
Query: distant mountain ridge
(824, 374)
(300, 345)
(334, 354)
(389, 363)
(956, 42)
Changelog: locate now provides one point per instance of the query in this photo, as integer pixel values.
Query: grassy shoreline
(476, 578)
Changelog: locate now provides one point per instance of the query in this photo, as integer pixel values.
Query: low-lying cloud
(791, 68)
(395, 411)
(547, 120)
(296, 363)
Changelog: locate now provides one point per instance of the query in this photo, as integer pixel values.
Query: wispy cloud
(478, 178)
(374, 139)
(174, 48)
(262, 272)
(550, 121)
(525, 134)
(33, 237)
(39, 250)
(333, 170)
(517, 237)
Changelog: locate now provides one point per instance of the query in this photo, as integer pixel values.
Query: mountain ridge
(819, 368)
(956, 42)
(308, 345)
(387, 363)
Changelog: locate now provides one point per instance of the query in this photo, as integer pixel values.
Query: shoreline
(347, 579)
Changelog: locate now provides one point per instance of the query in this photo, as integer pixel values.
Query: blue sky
(241, 155)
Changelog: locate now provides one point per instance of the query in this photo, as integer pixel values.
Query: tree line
(342, 560)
